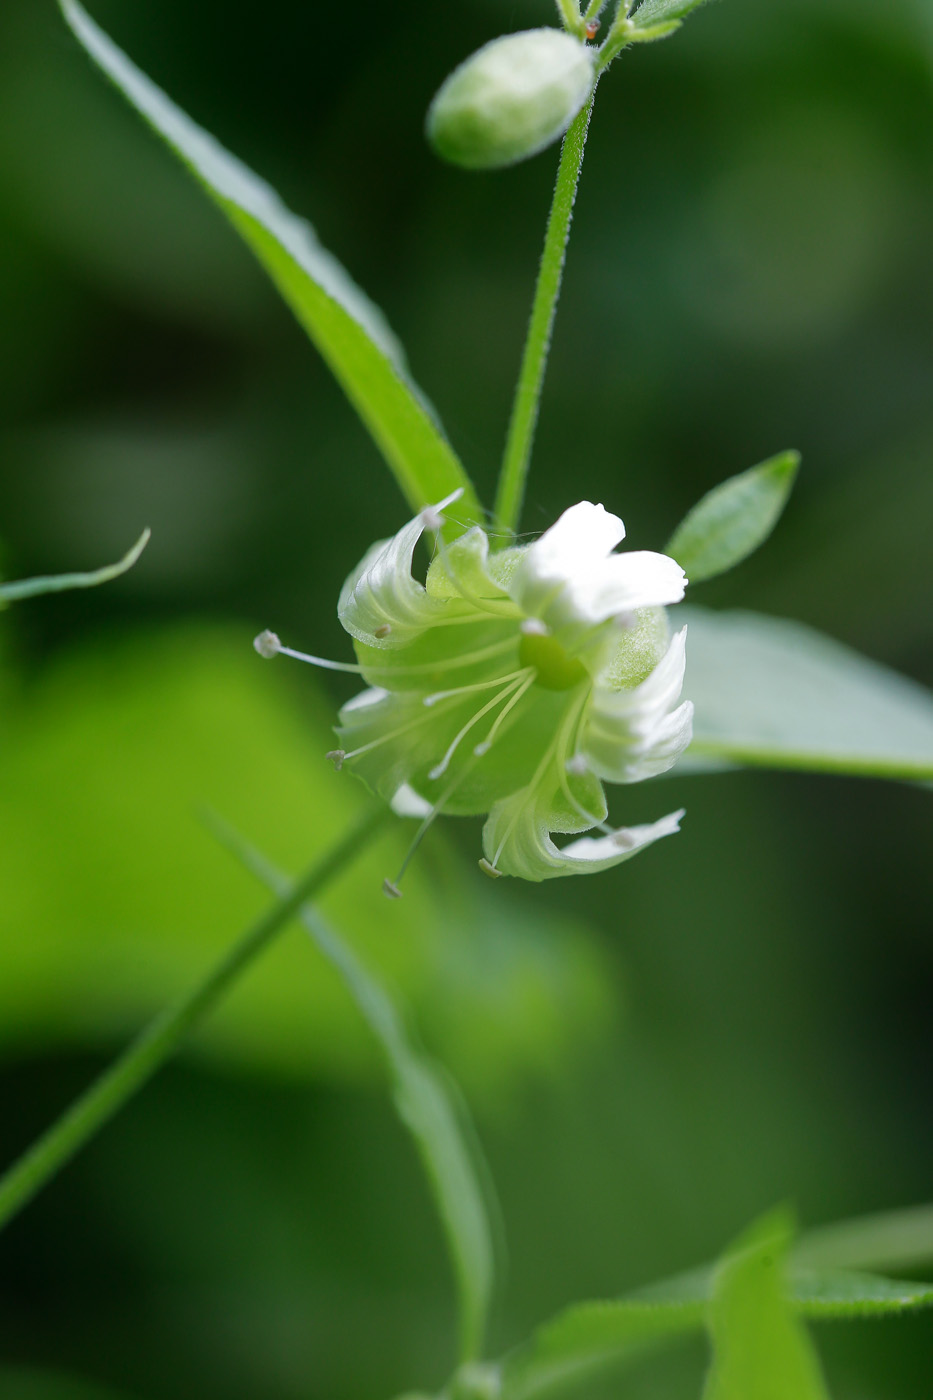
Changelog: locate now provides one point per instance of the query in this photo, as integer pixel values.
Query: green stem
(537, 344)
(569, 11)
(140, 1061)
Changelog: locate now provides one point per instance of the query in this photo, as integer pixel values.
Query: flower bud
(510, 99)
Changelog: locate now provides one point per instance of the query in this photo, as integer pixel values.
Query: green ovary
(556, 669)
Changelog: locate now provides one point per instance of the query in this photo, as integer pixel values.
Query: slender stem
(537, 344)
(140, 1061)
(569, 11)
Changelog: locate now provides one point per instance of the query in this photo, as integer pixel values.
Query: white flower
(514, 683)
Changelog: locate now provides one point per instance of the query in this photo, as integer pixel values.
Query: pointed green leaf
(58, 583)
(733, 519)
(772, 693)
(343, 323)
(760, 1350)
(652, 12)
(895, 1239)
(430, 1106)
(840, 1294)
(591, 1336)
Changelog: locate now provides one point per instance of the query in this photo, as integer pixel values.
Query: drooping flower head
(514, 683)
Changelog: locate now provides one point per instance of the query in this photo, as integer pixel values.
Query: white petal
(623, 583)
(601, 852)
(381, 604)
(635, 734)
(517, 841)
(407, 803)
(583, 533)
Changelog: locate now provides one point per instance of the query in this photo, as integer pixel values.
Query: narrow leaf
(348, 330)
(652, 12)
(592, 1336)
(429, 1105)
(760, 1350)
(733, 519)
(841, 1294)
(58, 583)
(776, 694)
(897, 1239)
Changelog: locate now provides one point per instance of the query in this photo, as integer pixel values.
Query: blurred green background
(652, 1055)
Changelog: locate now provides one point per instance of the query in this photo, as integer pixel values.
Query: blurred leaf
(17, 1383)
(107, 757)
(760, 1350)
(32, 587)
(429, 1105)
(895, 1239)
(591, 1336)
(652, 12)
(348, 330)
(733, 519)
(841, 1294)
(776, 694)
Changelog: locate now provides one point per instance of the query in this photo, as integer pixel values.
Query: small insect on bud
(592, 29)
(512, 98)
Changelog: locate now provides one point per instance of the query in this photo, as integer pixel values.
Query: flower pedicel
(513, 684)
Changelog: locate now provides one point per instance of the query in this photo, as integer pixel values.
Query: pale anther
(391, 891)
(267, 644)
(488, 869)
(336, 757)
(382, 631)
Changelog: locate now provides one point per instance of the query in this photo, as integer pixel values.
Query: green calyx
(554, 668)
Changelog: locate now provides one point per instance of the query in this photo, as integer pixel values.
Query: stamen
(268, 645)
(382, 631)
(466, 689)
(337, 757)
(392, 889)
(489, 870)
(490, 705)
(431, 517)
(490, 739)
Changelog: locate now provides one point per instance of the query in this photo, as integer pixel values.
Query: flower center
(556, 668)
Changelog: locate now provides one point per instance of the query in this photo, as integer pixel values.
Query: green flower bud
(510, 99)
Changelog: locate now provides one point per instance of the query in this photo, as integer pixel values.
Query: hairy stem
(537, 344)
(140, 1061)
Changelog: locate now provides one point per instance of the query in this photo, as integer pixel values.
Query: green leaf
(591, 1336)
(58, 583)
(760, 1350)
(776, 694)
(897, 1239)
(652, 12)
(733, 519)
(429, 1105)
(348, 330)
(839, 1293)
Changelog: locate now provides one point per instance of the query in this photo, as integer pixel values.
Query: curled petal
(517, 841)
(382, 605)
(633, 734)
